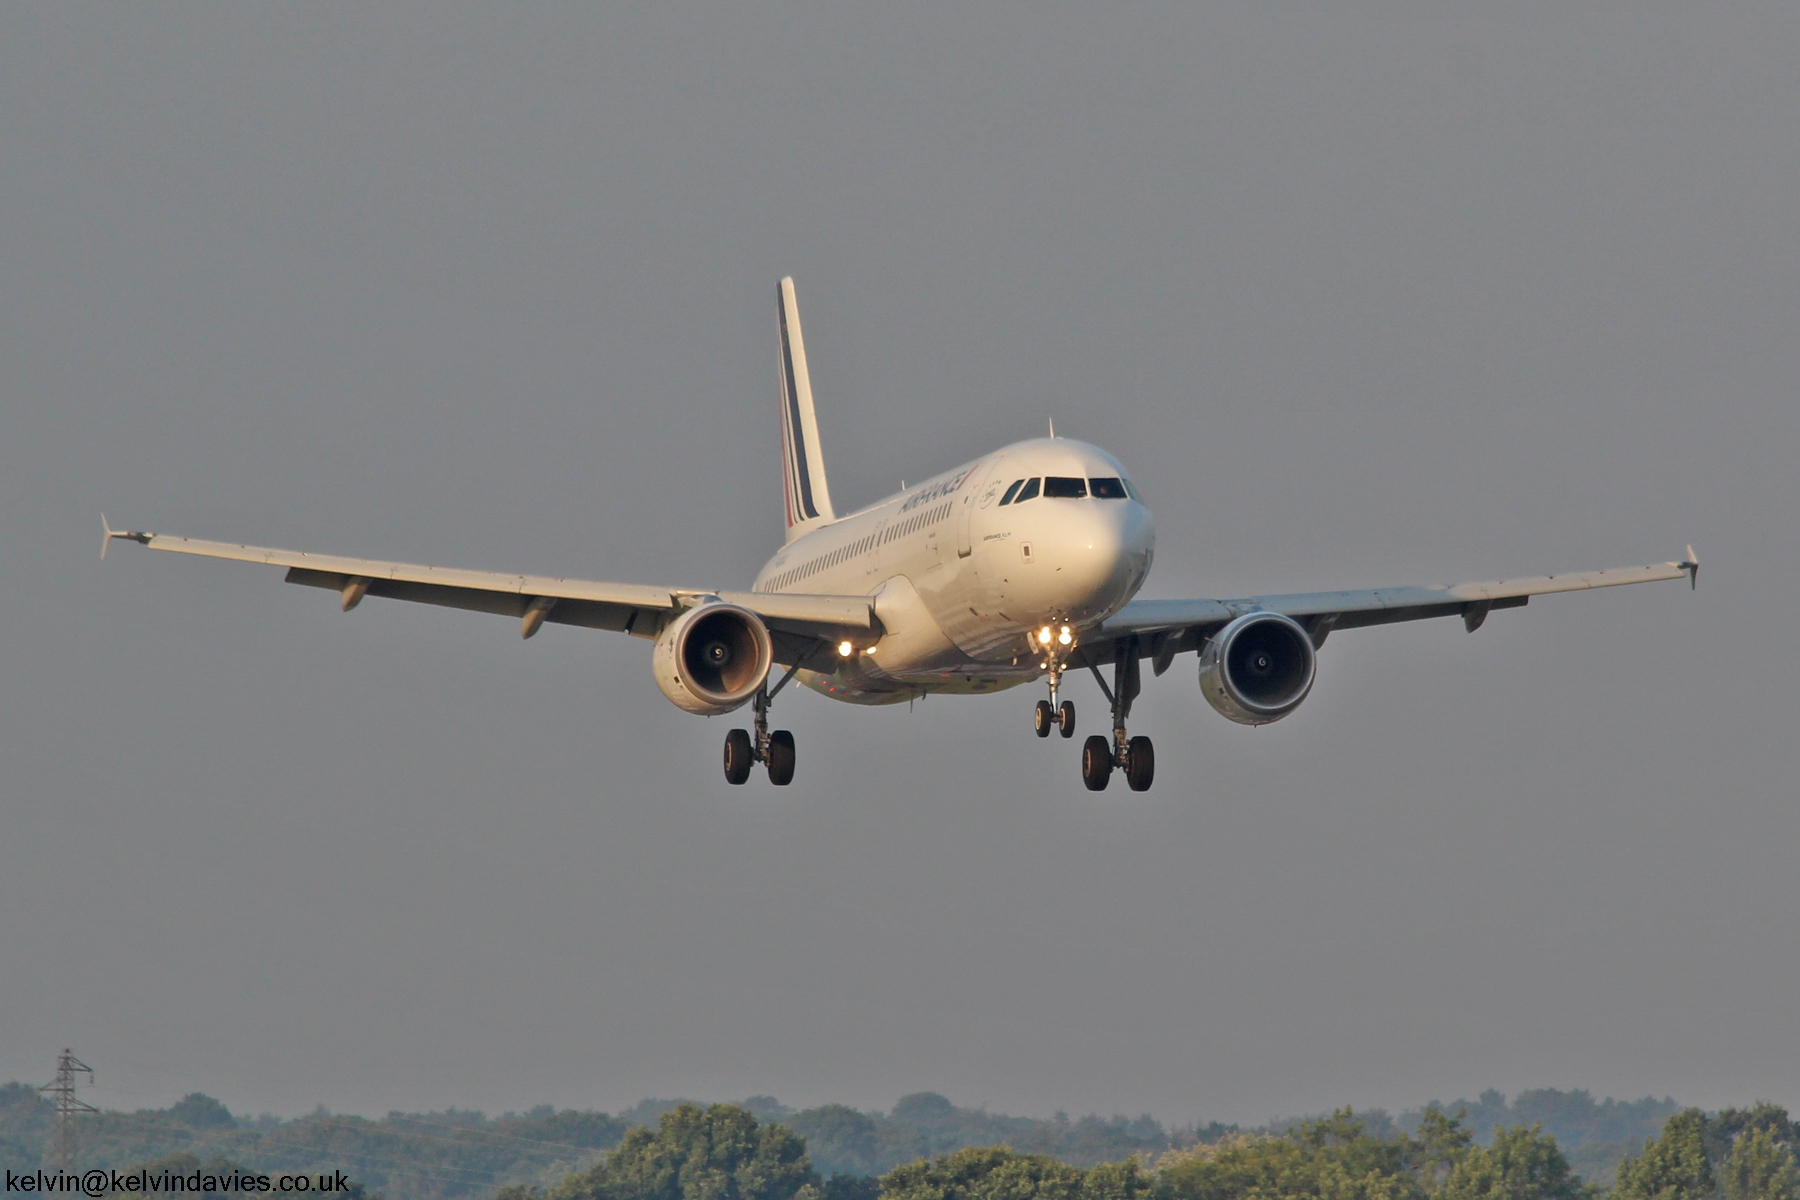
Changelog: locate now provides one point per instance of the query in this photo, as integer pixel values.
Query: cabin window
(1107, 488)
(1064, 487)
(1028, 492)
(1011, 492)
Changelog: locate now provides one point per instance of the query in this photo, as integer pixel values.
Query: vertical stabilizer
(808, 496)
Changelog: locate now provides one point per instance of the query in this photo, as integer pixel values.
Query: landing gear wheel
(1096, 763)
(1065, 719)
(781, 758)
(738, 758)
(1140, 763)
(1042, 718)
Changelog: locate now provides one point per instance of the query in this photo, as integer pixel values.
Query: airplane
(1018, 566)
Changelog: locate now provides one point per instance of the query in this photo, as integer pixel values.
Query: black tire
(1096, 763)
(1140, 764)
(1042, 718)
(781, 758)
(1065, 719)
(737, 757)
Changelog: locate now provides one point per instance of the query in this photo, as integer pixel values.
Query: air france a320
(1017, 567)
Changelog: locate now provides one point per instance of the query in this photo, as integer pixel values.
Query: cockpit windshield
(1067, 487)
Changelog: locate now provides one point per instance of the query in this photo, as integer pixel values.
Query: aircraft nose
(1106, 552)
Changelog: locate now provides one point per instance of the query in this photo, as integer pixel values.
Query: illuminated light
(846, 649)
(1044, 635)
(1065, 637)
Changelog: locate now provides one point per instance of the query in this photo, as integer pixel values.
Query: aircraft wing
(1164, 628)
(795, 621)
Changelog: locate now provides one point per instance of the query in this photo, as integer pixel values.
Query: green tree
(843, 1186)
(1329, 1159)
(1116, 1181)
(1439, 1144)
(1672, 1167)
(197, 1110)
(716, 1153)
(984, 1173)
(1725, 1129)
(1000, 1173)
(1760, 1168)
(1522, 1164)
(839, 1139)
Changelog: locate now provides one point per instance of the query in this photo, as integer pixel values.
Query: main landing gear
(775, 750)
(1136, 756)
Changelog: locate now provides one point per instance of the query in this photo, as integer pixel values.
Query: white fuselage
(962, 579)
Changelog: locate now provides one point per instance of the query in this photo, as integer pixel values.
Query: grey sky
(1390, 294)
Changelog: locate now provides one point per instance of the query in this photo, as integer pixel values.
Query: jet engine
(712, 658)
(1258, 668)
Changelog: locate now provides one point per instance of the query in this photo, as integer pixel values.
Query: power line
(62, 1094)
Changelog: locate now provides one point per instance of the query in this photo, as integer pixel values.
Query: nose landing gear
(1136, 756)
(775, 750)
(1047, 716)
(1052, 713)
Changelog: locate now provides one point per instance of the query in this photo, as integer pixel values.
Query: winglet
(1691, 565)
(128, 535)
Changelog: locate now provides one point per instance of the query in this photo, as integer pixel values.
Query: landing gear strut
(1133, 755)
(775, 750)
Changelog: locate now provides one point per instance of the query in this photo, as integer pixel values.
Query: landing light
(845, 649)
(1044, 635)
(1065, 637)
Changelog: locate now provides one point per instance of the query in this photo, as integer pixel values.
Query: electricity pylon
(62, 1094)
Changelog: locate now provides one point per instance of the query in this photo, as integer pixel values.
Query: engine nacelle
(712, 658)
(1258, 668)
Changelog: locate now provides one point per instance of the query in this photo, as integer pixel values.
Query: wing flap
(1193, 620)
(591, 614)
(621, 607)
(627, 594)
(1543, 585)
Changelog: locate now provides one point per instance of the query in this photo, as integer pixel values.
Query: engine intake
(712, 658)
(1258, 668)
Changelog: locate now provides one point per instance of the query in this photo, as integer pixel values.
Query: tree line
(926, 1148)
(723, 1152)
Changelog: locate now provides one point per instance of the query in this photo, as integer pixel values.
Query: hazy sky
(1362, 295)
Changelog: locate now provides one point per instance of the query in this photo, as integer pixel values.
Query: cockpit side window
(1028, 492)
(1131, 490)
(1011, 492)
(1107, 488)
(1064, 487)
